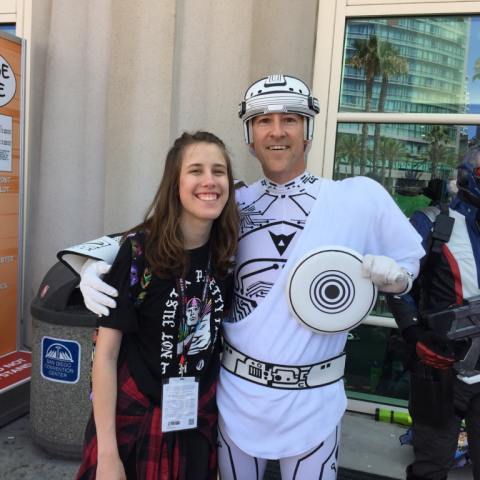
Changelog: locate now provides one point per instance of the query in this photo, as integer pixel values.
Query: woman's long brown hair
(165, 251)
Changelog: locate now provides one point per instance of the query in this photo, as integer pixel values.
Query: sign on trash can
(60, 360)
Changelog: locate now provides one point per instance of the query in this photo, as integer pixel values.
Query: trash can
(61, 358)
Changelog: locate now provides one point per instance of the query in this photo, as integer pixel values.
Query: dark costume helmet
(468, 180)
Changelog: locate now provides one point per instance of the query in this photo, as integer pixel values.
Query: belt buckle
(272, 375)
(289, 376)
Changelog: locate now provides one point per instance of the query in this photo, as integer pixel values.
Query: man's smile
(277, 147)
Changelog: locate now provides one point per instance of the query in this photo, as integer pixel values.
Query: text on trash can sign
(60, 360)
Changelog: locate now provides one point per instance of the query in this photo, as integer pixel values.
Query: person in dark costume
(449, 273)
(183, 248)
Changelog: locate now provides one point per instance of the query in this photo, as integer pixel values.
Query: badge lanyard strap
(181, 289)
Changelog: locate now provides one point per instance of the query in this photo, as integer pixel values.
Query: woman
(170, 274)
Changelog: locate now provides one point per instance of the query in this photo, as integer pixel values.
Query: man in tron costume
(449, 273)
(267, 408)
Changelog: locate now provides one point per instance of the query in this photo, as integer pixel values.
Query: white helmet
(278, 94)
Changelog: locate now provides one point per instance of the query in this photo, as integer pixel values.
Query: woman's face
(203, 183)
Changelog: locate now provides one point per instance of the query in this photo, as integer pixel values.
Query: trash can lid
(59, 301)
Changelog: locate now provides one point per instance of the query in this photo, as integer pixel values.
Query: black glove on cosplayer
(412, 334)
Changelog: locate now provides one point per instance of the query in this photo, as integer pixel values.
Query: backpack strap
(139, 282)
(443, 226)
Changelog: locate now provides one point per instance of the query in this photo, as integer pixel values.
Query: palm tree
(383, 149)
(477, 70)
(366, 58)
(435, 136)
(391, 65)
(449, 160)
(459, 156)
(394, 151)
(443, 155)
(349, 147)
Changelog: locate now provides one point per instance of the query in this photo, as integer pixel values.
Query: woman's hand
(110, 468)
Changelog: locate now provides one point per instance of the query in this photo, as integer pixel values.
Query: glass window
(8, 27)
(415, 65)
(416, 164)
(407, 159)
(374, 369)
(432, 63)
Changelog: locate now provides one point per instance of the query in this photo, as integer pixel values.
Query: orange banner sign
(10, 179)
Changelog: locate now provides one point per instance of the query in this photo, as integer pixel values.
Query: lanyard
(181, 289)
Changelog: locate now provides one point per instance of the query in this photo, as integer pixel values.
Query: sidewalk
(366, 445)
(374, 447)
(21, 459)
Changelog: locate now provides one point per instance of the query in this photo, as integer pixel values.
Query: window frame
(331, 27)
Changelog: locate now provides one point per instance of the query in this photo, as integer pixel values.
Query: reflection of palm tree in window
(477, 70)
(435, 136)
(391, 65)
(350, 148)
(458, 157)
(366, 58)
(375, 57)
(395, 152)
(445, 157)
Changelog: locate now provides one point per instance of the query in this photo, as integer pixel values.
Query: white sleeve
(390, 233)
(104, 248)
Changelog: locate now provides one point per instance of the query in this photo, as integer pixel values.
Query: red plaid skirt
(159, 456)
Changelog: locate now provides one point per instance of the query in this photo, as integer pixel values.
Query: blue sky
(473, 87)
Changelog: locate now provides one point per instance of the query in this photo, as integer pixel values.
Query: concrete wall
(114, 83)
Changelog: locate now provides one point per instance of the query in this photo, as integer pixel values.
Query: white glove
(92, 285)
(386, 274)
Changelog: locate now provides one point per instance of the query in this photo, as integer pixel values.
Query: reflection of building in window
(436, 50)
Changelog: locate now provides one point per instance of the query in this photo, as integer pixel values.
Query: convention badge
(326, 291)
(179, 404)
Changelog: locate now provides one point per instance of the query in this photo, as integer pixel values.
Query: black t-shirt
(153, 335)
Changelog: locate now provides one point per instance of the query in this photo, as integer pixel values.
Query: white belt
(295, 377)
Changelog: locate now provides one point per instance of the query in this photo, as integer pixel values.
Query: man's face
(193, 311)
(279, 145)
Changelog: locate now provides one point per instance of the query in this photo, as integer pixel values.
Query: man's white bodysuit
(279, 223)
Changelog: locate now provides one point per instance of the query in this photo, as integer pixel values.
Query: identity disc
(327, 292)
